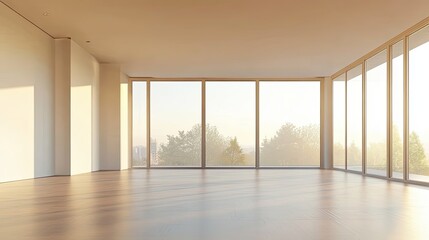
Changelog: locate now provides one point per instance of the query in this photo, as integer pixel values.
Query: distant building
(139, 156)
(153, 152)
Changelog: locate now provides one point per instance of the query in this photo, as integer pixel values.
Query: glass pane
(289, 135)
(230, 117)
(418, 100)
(175, 123)
(139, 124)
(339, 121)
(376, 114)
(354, 119)
(397, 109)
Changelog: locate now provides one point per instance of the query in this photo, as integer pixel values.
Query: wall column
(326, 124)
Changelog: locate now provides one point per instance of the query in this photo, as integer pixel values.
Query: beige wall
(84, 78)
(110, 117)
(26, 99)
(62, 106)
(77, 80)
(113, 118)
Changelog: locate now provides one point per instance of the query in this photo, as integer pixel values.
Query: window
(397, 129)
(175, 123)
(376, 114)
(339, 121)
(139, 125)
(289, 123)
(354, 119)
(418, 99)
(230, 118)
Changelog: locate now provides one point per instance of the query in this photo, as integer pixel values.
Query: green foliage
(418, 163)
(233, 154)
(183, 149)
(397, 151)
(376, 154)
(339, 154)
(293, 146)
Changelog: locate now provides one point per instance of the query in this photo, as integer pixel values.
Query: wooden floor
(213, 204)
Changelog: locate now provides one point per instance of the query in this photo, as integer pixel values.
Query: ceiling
(225, 38)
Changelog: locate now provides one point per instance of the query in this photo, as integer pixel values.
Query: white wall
(26, 99)
(76, 102)
(114, 138)
(84, 77)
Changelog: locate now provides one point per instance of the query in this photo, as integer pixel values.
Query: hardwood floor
(213, 204)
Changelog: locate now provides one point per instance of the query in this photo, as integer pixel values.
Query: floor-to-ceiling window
(175, 123)
(418, 105)
(387, 129)
(354, 119)
(339, 121)
(230, 123)
(139, 138)
(289, 123)
(376, 114)
(397, 128)
(175, 115)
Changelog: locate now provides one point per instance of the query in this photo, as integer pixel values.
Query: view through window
(289, 135)
(418, 100)
(376, 114)
(397, 129)
(230, 118)
(139, 151)
(354, 119)
(289, 123)
(339, 121)
(175, 123)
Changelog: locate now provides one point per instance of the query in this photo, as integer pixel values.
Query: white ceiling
(226, 38)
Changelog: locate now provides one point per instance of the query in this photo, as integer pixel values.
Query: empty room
(214, 119)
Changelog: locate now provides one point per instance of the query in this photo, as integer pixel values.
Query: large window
(339, 121)
(139, 125)
(354, 119)
(376, 114)
(395, 131)
(418, 101)
(289, 134)
(230, 118)
(175, 123)
(397, 128)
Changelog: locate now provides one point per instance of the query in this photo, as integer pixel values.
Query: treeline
(291, 146)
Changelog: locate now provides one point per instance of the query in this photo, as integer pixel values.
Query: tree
(215, 146)
(417, 159)
(292, 145)
(354, 155)
(233, 154)
(185, 149)
(339, 154)
(397, 150)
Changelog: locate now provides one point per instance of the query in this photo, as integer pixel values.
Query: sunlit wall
(26, 99)
(124, 123)
(84, 74)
